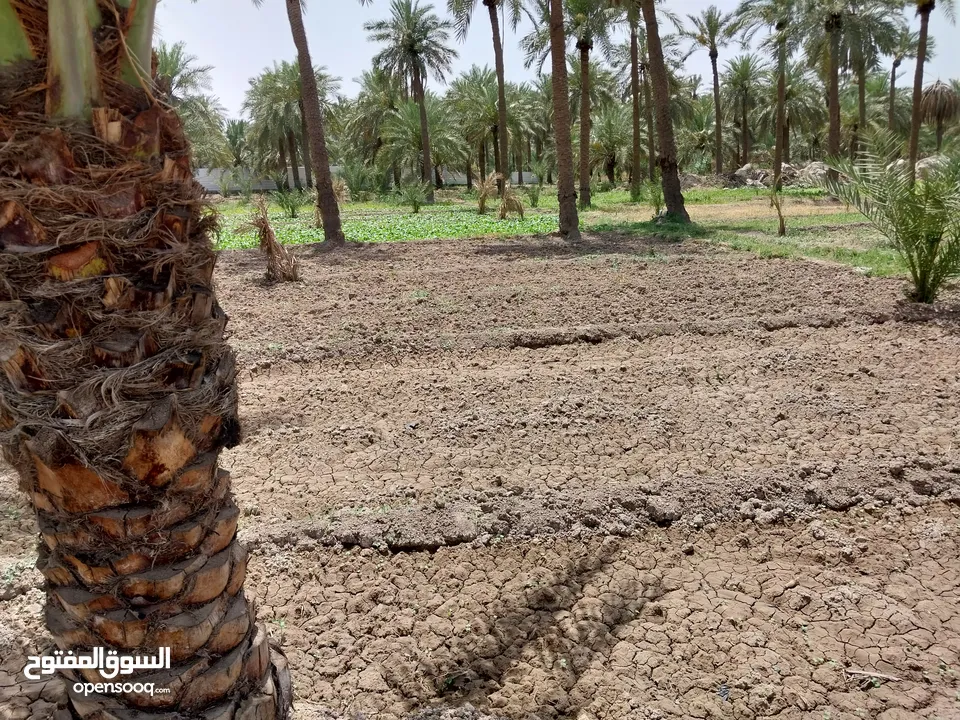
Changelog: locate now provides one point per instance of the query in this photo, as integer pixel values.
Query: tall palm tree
(870, 30)
(780, 19)
(712, 30)
(566, 191)
(924, 9)
(742, 80)
(118, 388)
(474, 96)
(667, 159)
(940, 106)
(905, 48)
(803, 105)
(319, 156)
(188, 85)
(588, 23)
(611, 137)
(415, 40)
(237, 131)
(462, 11)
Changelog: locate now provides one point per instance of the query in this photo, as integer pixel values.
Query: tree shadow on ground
(648, 240)
(944, 313)
(546, 629)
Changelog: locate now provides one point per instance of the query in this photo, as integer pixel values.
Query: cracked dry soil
(633, 480)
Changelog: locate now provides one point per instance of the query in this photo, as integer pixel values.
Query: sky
(239, 41)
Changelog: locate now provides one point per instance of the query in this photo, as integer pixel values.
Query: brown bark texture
(117, 395)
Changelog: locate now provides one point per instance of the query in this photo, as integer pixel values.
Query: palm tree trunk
(651, 135)
(566, 191)
(669, 169)
(635, 183)
(717, 112)
(438, 177)
(284, 167)
(891, 111)
(469, 169)
(482, 159)
(786, 141)
(497, 167)
(118, 386)
(916, 117)
(294, 164)
(584, 124)
(305, 146)
(326, 199)
(745, 131)
(833, 94)
(520, 166)
(862, 98)
(501, 88)
(781, 114)
(426, 162)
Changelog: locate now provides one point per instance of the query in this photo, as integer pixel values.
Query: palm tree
(803, 105)
(237, 140)
(611, 136)
(742, 80)
(380, 96)
(416, 47)
(940, 105)
(118, 387)
(462, 11)
(669, 168)
(187, 85)
(327, 203)
(712, 30)
(566, 191)
(474, 96)
(870, 30)
(780, 18)
(924, 9)
(588, 22)
(905, 48)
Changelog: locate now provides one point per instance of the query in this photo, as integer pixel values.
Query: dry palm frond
(511, 203)
(341, 190)
(282, 265)
(486, 189)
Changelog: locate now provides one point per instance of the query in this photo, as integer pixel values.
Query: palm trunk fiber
(669, 167)
(584, 48)
(566, 190)
(327, 203)
(501, 90)
(117, 396)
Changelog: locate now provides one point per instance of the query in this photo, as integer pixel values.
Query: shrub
(225, 182)
(282, 265)
(414, 195)
(359, 179)
(486, 189)
(290, 201)
(533, 192)
(653, 193)
(921, 220)
(511, 203)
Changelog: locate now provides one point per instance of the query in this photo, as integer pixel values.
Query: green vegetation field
(738, 218)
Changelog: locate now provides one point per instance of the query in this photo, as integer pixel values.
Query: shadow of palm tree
(546, 626)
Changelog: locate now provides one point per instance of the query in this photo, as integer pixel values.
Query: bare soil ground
(634, 479)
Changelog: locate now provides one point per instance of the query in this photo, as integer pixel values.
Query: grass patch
(842, 237)
(381, 223)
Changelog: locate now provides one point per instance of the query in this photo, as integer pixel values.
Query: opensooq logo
(108, 663)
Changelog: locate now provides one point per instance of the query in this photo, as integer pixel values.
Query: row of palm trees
(817, 78)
